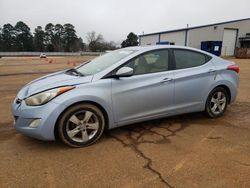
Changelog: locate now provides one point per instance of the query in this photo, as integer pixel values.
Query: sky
(114, 19)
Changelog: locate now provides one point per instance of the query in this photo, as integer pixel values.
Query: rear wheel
(217, 102)
(81, 125)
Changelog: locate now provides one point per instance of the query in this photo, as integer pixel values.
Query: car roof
(152, 47)
(155, 47)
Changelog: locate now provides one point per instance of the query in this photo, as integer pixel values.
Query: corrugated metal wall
(177, 37)
(149, 40)
(197, 35)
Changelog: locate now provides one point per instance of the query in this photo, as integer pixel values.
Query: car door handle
(211, 71)
(166, 80)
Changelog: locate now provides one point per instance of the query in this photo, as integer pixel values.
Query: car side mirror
(124, 72)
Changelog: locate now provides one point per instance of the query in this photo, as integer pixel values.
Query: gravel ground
(182, 151)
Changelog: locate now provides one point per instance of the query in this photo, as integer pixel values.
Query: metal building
(229, 33)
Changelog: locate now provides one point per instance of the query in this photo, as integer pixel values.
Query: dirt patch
(190, 150)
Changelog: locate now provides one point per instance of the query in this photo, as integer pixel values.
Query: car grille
(15, 118)
(18, 101)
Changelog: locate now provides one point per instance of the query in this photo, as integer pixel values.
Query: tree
(8, 37)
(49, 37)
(69, 37)
(24, 38)
(80, 45)
(94, 42)
(39, 39)
(59, 38)
(107, 46)
(1, 40)
(111, 45)
(53, 38)
(132, 40)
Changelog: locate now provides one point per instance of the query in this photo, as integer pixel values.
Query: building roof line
(196, 27)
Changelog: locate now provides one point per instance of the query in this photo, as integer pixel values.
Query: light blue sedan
(123, 87)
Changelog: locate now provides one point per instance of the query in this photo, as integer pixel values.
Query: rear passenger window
(186, 59)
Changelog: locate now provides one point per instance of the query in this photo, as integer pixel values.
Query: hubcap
(218, 102)
(82, 126)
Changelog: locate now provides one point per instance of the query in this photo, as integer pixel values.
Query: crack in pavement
(241, 163)
(214, 137)
(134, 142)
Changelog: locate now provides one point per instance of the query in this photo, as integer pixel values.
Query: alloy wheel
(82, 126)
(218, 102)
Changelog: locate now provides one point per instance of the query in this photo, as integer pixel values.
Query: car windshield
(100, 63)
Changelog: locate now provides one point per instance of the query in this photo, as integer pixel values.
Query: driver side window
(150, 62)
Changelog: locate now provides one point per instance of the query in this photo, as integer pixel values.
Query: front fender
(98, 92)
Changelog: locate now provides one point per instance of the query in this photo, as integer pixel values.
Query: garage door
(229, 39)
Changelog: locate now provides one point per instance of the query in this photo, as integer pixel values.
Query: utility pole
(186, 36)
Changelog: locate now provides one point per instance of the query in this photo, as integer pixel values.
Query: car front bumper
(46, 116)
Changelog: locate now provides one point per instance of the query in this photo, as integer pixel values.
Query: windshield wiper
(74, 72)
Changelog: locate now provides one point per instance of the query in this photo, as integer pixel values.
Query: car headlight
(46, 96)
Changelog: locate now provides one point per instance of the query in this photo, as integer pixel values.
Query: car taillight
(234, 68)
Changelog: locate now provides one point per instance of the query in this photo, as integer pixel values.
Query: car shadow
(156, 131)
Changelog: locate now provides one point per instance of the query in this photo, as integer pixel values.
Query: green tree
(49, 37)
(1, 40)
(70, 37)
(39, 39)
(24, 38)
(58, 38)
(8, 37)
(132, 40)
(79, 45)
(53, 38)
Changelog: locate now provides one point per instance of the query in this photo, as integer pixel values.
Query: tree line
(54, 38)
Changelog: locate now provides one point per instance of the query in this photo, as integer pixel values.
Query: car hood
(51, 81)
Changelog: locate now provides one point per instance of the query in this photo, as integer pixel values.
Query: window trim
(170, 63)
(207, 57)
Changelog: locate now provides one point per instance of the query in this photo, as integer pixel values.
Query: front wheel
(217, 102)
(81, 125)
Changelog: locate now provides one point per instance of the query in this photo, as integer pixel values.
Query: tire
(217, 101)
(81, 125)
